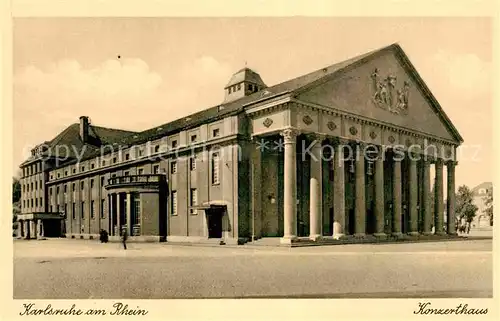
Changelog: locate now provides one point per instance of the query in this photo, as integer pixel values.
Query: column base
(398, 234)
(338, 236)
(441, 233)
(380, 235)
(359, 235)
(288, 239)
(315, 237)
(413, 233)
(427, 233)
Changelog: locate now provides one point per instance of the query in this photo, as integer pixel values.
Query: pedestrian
(124, 238)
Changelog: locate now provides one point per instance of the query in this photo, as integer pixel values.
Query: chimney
(84, 128)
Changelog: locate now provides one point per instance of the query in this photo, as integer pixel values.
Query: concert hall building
(344, 152)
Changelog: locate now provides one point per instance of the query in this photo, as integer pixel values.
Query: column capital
(289, 135)
(451, 163)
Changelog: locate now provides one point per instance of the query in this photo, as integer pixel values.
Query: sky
(65, 68)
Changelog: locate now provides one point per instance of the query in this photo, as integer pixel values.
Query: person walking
(124, 238)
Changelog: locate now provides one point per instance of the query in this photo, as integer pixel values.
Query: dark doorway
(214, 222)
(352, 222)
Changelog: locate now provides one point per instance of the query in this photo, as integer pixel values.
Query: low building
(269, 161)
(480, 192)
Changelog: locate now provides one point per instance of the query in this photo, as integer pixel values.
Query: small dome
(246, 75)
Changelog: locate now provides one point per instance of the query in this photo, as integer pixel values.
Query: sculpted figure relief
(386, 95)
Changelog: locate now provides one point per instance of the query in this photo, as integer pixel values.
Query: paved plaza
(83, 269)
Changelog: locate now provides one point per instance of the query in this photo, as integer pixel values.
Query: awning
(40, 216)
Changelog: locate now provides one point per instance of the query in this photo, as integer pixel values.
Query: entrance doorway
(214, 221)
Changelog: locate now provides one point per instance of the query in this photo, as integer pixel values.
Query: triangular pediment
(384, 87)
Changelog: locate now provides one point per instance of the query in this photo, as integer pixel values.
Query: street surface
(83, 269)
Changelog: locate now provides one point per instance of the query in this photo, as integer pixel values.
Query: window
(215, 169)
(174, 203)
(156, 169)
(74, 170)
(114, 160)
(36, 202)
(157, 149)
(57, 190)
(73, 187)
(58, 175)
(31, 201)
(194, 138)
(102, 208)
(92, 209)
(113, 175)
(50, 191)
(73, 211)
(92, 183)
(36, 186)
(173, 167)
(127, 156)
(41, 202)
(174, 143)
(65, 173)
(216, 132)
(83, 169)
(82, 185)
(126, 173)
(137, 210)
(229, 89)
(140, 152)
(140, 171)
(193, 200)
(65, 209)
(239, 86)
(82, 210)
(103, 163)
(92, 166)
(65, 188)
(192, 163)
(102, 181)
(24, 203)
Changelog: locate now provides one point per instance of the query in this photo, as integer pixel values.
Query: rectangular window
(82, 185)
(157, 149)
(57, 190)
(31, 201)
(65, 173)
(127, 156)
(65, 188)
(102, 208)
(92, 166)
(74, 170)
(114, 160)
(140, 171)
(50, 191)
(73, 187)
(173, 167)
(102, 181)
(216, 132)
(174, 143)
(193, 138)
(92, 209)
(36, 185)
(36, 202)
(65, 210)
(156, 169)
(73, 211)
(137, 210)
(193, 199)
(41, 201)
(83, 169)
(31, 187)
(192, 163)
(173, 201)
(140, 152)
(215, 169)
(82, 210)
(103, 163)
(92, 183)
(126, 173)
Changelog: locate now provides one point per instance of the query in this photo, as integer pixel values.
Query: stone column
(316, 191)
(379, 196)
(256, 163)
(426, 204)
(27, 229)
(338, 191)
(396, 193)
(34, 229)
(129, 214)
(438, 199)
(110, 214)
(21, 228)
(118, 219)
(413, 217)
(290, 186)
(450, 210)
(360, 201)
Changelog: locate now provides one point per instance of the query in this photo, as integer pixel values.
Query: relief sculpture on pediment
(386, 95)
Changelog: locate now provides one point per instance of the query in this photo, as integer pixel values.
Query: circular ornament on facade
(331, 126)
(353, 130)
(307, 120)
(267, 122)
(373, 135)
(391, 139)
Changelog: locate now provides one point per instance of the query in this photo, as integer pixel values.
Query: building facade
(482, 219)
(342, 151)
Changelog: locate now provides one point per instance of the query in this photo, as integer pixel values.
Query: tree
(488, 201)
(16, 202)
(464, 204)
